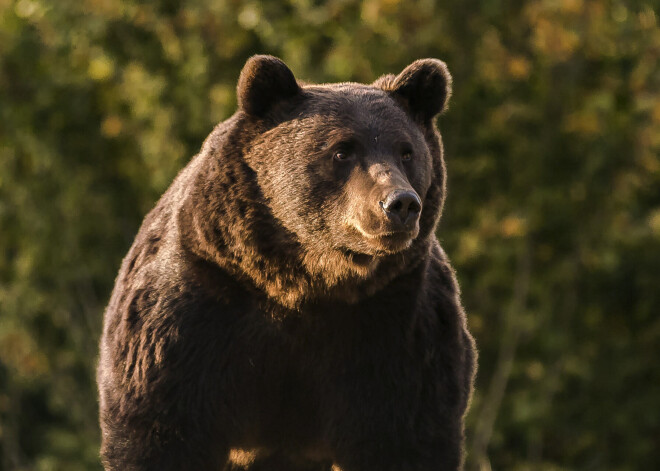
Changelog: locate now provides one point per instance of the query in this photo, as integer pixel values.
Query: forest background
(552, 221)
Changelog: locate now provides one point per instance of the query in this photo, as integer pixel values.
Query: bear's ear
(424, 87)
(264, 81)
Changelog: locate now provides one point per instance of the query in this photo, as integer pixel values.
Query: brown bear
(286, 305)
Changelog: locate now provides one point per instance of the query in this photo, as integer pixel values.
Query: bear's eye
(406, 152)
(340, 156)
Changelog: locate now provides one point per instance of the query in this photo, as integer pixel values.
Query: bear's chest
(297, 372)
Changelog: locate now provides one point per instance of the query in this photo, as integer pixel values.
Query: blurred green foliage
(553, 216)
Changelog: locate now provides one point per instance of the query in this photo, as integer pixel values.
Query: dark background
(552, 221)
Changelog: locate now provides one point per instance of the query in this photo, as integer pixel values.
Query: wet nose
(402, 207)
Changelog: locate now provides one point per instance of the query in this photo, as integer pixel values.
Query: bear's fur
(280, 309)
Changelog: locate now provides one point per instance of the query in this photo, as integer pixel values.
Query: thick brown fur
(273, 313)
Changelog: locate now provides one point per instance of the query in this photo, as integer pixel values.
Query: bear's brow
(358, 108)
(348, 93)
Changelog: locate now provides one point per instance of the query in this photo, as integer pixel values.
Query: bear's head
(350, 178)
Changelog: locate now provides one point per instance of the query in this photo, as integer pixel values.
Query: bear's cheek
(304, 209)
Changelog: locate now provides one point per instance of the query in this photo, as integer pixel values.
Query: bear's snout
(402, 208)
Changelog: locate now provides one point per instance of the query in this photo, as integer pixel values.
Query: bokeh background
(552, 221)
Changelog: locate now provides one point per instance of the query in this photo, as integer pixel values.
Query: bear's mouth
(370, 247)
(385, 242)
(381, 246)
(389, 243)
(393, 242)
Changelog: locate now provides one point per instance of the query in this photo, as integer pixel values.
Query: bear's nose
(402, 207)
